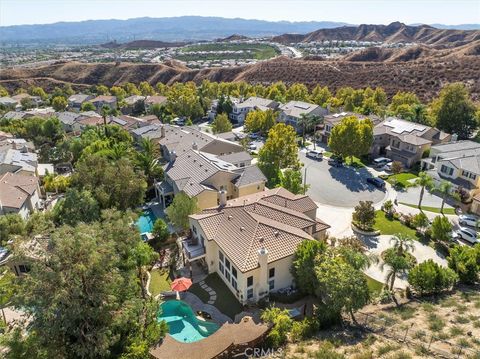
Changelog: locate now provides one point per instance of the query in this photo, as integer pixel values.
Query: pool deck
(159, 212)
(196, 304)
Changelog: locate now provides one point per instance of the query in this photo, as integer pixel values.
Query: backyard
(225, 302)
(159, 281)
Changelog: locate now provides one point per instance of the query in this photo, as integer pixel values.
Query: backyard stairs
(210, 291)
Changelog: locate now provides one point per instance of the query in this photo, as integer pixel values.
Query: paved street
(339, 186)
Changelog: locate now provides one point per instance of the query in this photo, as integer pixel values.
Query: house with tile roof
(330, 121)
(154, 100)
(133, 104)
(292, 111)
(405, 141)
(76, 101)
(19, 194)
(175, 141)
(457, 162)
(202, 175)
(104, 100)
(250, 240)
(16, 157)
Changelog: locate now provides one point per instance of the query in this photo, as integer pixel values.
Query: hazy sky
(14, 12)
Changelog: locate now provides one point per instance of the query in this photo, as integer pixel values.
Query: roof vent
(276, 233)
(242, 228)
(230, 217)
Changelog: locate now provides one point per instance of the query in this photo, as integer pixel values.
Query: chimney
(173, 156)
(263, 265)
(162, 131)
(223, 197)
(454, 137)
(194, 146)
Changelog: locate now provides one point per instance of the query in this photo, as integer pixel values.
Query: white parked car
(468, 220)
(315, 154)
(467, 234)
(381, 161)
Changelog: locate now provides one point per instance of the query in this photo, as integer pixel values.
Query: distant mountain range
(392, 33)
(171, 29)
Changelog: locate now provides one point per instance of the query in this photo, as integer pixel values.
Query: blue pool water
(145, 221)
(182, 322)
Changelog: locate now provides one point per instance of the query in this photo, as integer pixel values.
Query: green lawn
(431, 209)
(226, 301)
(327, 153)
(256, 51)
(374, 285)
(402, 179)
(159, 282)
(391, 226)
(354, 161)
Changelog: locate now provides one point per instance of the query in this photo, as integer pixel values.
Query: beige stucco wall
(207, 199)
(246, 190)
(218, 147)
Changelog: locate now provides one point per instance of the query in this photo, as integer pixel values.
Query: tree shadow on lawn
(353, 179)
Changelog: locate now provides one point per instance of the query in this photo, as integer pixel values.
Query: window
(271, 284)
(465, 173)
(447, 170)
(234, 273)
(250, 281)
(220, 256)
(227, 264)
(194, 229)
(220, 266)
(234, 283)
(250, 293)
(271, 273)
(227, 275)
(472, 176)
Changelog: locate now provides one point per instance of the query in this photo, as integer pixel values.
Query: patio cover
(224, 339)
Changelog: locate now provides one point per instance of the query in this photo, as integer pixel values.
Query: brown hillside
(395, 32)
(425, 75)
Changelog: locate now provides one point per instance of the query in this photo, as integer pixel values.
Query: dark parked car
(377, 182)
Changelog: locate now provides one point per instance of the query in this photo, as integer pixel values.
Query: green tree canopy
(429, 278)
(88, 106)
(351, 137)
(291, 179)
(221, 124)
(178, 212)
(454, 112)
(465, 261)
(59, 103)
(77, 206)
(304, 260)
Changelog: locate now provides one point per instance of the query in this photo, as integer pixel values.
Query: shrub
(464, 261)
(160, 230)
(430, 278)
(387, 207)
(281, 325)
(304, 329)
(441, 229)
(420, 220)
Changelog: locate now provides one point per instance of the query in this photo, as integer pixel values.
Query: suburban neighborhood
(197, 215)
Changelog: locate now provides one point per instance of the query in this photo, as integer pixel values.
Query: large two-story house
(457, 162)
(292, 112)
(104, 100)
(250, 241)
(202, 175)
(240, 109)
(405, 141)
(76, 101)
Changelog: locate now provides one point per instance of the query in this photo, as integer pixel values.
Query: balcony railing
(193, 249)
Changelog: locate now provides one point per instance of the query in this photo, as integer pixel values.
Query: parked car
(252, 147)
(467, 234)
(377, 182)
(335, 162)
(315, 154)
(387, 167)
(254, 136)
(381, 161)
(468, 220)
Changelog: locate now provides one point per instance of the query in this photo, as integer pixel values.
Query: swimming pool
(182, 322)
(145, 221)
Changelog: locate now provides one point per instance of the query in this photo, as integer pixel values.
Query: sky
(17, 12)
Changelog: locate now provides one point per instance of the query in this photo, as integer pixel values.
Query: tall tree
(454, 112)
(351, 137)
(178, 212)
(291, 179)
(59, 103)
(221, 124)
(445, 189)
(279, 152)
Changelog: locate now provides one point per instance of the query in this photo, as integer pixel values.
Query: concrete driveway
(412, 194)
(377, 245)
(338, 186)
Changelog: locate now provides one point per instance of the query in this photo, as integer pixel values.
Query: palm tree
(424, 180)
(304, 121)
(396, 258)
(147, 160)
(445, 188)
(106, 111)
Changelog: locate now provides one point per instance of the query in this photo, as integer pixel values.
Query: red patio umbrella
(181, 284)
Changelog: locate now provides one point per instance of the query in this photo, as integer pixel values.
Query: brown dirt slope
(394, 32)
(424, 76)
